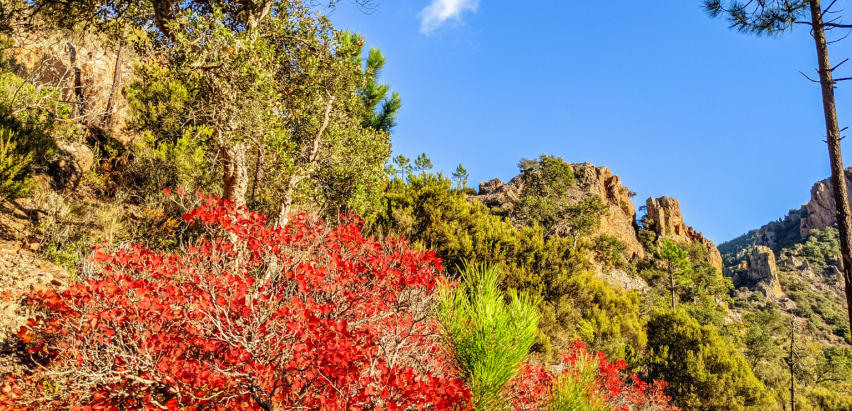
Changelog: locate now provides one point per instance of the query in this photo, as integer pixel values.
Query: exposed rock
(22, 271)
(495, 194)
(81, 70)
(758, 272)
(807, 271)
(667, 222)
(588, 181)
(69, 170)
(820, 211)
(620, 222)
(489, 187)
(623, 279)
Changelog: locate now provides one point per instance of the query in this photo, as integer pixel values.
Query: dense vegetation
(375, 283)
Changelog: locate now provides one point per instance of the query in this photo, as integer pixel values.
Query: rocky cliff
(817, 214)
(758, 272)
(588, 181)
(620, 222)
(666, 219)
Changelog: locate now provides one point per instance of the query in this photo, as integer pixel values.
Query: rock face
(495, 194)
(588, 181)
(758, 272)
(82, 71)
(820, 211)
(817, 214)
(69, 170)
(22, 271)
(668, 223)
(620, 222)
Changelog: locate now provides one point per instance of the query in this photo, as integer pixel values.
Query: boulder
(495, 194)
(490, 187)
(69, 170)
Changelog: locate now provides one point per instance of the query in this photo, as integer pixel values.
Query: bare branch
(806, 76)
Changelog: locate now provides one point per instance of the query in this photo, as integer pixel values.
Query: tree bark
(838, 177)
(671, 277)
(235, 176)
(113, 93)
(258, 172)
(792, 375)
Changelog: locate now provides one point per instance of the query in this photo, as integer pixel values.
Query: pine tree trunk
(235, 176)
(671, 277)
(838, 177)
(792, 375)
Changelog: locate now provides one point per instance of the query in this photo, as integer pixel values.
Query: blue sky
(670, 100)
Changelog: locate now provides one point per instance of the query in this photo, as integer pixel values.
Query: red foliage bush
(602, 384)
(251, 317)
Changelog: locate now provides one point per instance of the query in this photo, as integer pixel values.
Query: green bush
(427, 211)
(703, 369)
(489, 337)
(15, 181)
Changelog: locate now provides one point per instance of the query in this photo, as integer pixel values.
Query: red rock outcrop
(667, 222)
(820, 211)
(758, 272)
(80, 69)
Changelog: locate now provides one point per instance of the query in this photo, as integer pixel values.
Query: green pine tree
(774, 18)
(380, 104)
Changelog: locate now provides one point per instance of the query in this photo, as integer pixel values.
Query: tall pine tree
(380, 118)
(773, 18)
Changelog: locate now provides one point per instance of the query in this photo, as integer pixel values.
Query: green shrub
(15, 181)
(427, 211)
(489, 337)
(703, 369)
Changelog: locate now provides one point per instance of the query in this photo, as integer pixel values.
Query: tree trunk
(792, 375)
(79, 98)
(258, 173)
(838, 177)
(116, 81)
(671, 277)
(235, 176)
(287, 201)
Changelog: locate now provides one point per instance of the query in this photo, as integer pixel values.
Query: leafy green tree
(546, 181)
(581, 219)
(703, 369)
(761, 343)
(373, 93)
(286, 86)
(489, 336)
(773, 18)
(678, 266)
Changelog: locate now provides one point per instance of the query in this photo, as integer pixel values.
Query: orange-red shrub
(251, 317)
(595, 383)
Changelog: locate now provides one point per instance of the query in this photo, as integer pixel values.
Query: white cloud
(435, 14)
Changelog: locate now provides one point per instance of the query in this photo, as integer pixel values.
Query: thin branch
(826, 10)
(840, 39)
(838, 65)
(806, 76)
